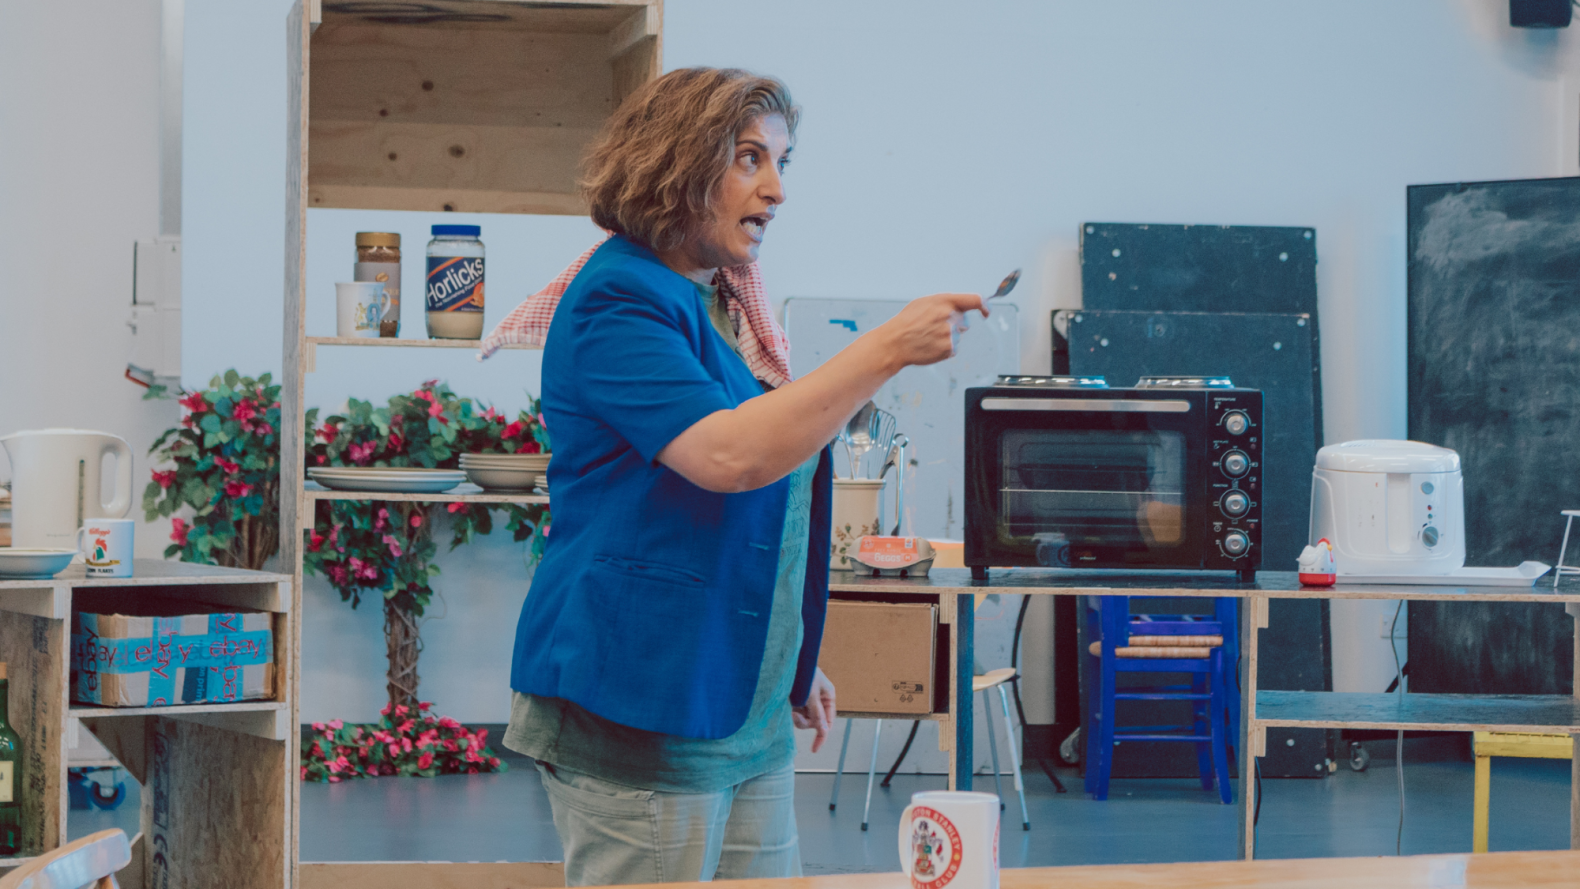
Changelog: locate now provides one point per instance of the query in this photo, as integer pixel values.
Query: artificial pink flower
(337, 724)
(382, 520)
(529, 447)
(263, 429)
(244, 410)
(178, 532)
(314, 541)
(230, 467)
(456, 507)
(165, 479)
(361, 453)
(237, 489)
(513, 430)
(393, 544)
(194, 402)
(416, 520)
(425, 761)
(435, 409)
(328, 431)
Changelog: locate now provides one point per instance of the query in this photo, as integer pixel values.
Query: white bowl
(503, 459)
(510, 480)
(18, 563)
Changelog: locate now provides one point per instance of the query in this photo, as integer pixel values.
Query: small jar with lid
(378, 259)
(454, 294)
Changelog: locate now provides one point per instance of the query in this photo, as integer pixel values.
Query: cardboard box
(171, 652)
(881, 656)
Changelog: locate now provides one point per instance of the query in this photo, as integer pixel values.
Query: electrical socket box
(156, 311)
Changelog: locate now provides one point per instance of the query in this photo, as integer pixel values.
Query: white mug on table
(106, 546)
(359, 305)
(949, 838)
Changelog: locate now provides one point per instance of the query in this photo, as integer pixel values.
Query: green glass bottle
(10, 775)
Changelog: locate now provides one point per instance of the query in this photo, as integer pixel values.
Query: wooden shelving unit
(201, 824)
(447, 106)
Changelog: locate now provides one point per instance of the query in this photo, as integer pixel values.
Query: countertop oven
(1064, 472)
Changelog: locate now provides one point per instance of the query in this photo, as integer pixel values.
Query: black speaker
(1540, 13)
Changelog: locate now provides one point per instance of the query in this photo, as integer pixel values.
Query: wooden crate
(468, 105)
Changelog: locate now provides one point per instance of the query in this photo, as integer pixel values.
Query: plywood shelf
(83, 711)
(1462, 713)
(393, 342)
(469, 105)
(462, 493)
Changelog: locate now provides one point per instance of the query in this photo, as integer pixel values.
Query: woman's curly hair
(652, 172)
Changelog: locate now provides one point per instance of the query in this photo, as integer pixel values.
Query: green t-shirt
(565, 734)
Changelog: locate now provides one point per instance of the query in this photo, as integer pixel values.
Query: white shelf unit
(463, 105)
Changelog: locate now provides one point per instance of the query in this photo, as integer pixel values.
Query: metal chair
(989, 681)
(90, 861)
(1175, 644)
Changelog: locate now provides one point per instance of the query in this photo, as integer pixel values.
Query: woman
(669, 641)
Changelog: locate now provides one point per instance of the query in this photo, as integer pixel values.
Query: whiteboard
(928, 402)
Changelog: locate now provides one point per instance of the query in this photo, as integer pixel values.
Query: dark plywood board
(1274, 353)
(1199, 268)
(1494, 373)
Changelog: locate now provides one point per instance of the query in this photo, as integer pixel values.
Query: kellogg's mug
(949, 838)
(106, 546)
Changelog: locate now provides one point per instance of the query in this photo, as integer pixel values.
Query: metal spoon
(1006, 285)
(858, 436)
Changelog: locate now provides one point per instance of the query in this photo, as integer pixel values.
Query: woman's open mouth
(754, 226)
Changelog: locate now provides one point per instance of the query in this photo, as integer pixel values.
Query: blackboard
(1494, 373)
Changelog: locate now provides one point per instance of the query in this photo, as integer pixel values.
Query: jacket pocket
(653, 572)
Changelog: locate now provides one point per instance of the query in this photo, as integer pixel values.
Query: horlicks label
(455, 284)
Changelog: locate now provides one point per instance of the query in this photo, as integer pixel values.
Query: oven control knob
(1235, 423)
(1235, 464)
(1235, 543)
(1235, 504)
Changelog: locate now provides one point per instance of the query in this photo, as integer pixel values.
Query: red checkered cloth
(763, 343)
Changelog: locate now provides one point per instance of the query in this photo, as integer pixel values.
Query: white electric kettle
(57, 483)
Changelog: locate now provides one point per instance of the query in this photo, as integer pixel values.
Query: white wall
(79, 183)
(942, 144)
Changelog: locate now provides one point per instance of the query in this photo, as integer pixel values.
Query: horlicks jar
(455, 283)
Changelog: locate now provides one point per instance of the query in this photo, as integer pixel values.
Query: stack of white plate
(387, 479)
(512, 473)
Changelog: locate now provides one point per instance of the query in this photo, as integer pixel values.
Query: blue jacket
(650, 607)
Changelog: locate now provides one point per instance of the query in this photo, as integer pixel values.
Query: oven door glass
(1118, 494)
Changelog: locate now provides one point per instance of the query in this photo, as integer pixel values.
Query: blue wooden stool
(1202, 646)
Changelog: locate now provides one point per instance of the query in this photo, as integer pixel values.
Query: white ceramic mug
(106, 546)
(949, 838)
(855, 516)
(359, 305)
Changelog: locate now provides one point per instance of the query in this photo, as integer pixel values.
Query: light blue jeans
(615, 834)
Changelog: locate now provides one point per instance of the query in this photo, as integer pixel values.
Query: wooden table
(1260, 710)
(1488, 871)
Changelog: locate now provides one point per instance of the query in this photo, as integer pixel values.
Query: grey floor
(506, 817)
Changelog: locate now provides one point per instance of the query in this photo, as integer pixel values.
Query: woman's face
(751, 192)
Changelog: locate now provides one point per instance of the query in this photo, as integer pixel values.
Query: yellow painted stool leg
(1483, 799)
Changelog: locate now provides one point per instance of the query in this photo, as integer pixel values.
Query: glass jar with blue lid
(454, 291)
